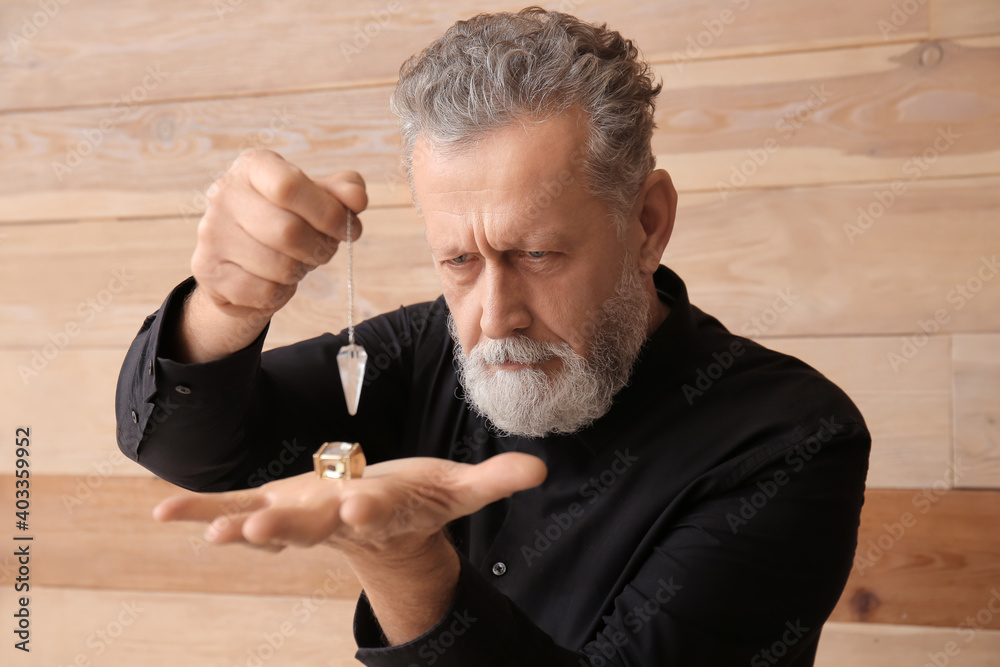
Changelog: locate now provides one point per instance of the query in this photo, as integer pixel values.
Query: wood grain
(879, 645)
(976, 361)
(926, 557)
(941, 569)
(908, 413)
(101, 534)
(73, 626)
(219, 630)
(838, 116)
(902, 270)
(93, 53)
(812, 118)
(950, 18)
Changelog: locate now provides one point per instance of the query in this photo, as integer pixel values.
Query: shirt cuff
(199, 383)
(472, 632)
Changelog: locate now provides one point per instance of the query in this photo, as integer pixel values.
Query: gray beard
(530, 403)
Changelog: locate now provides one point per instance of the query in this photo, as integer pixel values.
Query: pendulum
(352, 357)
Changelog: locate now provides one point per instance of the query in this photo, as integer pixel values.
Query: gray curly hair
(494, 70)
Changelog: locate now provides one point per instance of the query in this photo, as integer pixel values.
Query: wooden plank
(841, 116)
(976, 361)
(844, 273)
(93, 53)
(877, 645)
(69, 407)
(72, 626)
(926, 557)
(865, 117)
(74, 282)
(953, 18)
(103, 536)
(937, 568)
(157, 160)
(899, 272)
(908, 413)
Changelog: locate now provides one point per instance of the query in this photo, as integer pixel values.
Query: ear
(656, 207)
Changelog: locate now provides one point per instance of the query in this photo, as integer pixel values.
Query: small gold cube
(339, 460)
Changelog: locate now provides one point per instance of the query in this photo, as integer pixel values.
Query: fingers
(500, 477)
(298, 525)
(266, 226)
(208, 506)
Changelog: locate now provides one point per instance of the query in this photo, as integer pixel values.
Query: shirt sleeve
(251, 417)
(748, 576)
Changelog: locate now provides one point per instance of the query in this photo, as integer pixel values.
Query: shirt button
(181, 389)
(150, 367)
(499, 568)
(135, 418)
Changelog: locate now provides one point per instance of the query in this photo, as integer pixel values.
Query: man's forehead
(512, 155)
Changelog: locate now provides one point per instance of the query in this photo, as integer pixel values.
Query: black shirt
(709, 518)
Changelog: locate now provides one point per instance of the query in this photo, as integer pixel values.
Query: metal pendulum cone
(352, 357)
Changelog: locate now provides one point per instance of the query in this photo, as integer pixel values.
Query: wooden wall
(844, 154)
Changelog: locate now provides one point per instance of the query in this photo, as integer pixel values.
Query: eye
(461, 259)
(537, 254)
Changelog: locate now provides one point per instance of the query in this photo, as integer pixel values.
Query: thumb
(503, 475)
(348, 187)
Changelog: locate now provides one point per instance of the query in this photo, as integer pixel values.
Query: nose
(503, 302)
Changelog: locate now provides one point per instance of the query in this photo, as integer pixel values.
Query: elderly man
(569, 464)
